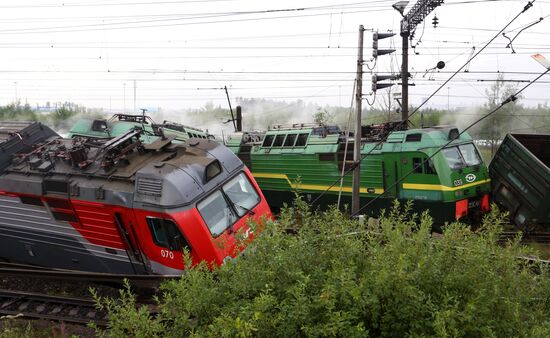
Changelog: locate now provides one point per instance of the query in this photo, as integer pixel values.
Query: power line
(102, 26)
(67, 5)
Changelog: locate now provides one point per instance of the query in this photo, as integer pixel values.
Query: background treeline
(259, 114)
(262, 113)
(59, 115)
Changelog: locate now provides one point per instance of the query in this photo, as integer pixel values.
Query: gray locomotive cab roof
(181, 180)
(121, 171)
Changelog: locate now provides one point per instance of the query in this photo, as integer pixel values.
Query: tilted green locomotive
(309, 158)
(119, 124)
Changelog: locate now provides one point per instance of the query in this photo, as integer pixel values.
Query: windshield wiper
(248, 211)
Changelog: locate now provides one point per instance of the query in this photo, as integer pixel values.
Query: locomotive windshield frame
(224, 207)
(462, 156)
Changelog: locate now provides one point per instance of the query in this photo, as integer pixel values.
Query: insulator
(435, 21)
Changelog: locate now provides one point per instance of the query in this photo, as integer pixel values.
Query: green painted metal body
(520, 178)
(120, 124)
(387, 170)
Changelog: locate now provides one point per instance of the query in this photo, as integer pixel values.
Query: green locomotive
(309, 158)
(120, 124)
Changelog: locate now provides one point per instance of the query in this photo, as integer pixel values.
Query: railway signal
(375, 53)
(379, 36)
(376, 78)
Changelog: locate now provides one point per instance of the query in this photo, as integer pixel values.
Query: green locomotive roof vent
(453, 134)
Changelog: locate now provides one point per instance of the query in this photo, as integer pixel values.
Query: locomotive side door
(125, 222)
(161, 241)
(392, 169)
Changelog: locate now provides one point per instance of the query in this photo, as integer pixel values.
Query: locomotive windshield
(224, 207)
(464, 155)
(241, 193)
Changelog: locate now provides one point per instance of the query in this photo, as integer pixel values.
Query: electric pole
(405, 74)
(416, 15)
(357, 142)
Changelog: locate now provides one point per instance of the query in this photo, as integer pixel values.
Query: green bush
(333, 276)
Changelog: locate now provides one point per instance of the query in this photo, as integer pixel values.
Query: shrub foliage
(332, 276)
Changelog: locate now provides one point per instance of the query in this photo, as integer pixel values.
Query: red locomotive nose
(485, 203)
(461, 208)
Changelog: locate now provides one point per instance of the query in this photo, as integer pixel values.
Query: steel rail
(48, 307)
(22, 270)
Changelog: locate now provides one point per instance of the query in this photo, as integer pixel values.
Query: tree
(388, 105)
(494, 128)
(322, 116)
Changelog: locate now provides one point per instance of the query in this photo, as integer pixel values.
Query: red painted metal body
(122, 205)
(97, 224)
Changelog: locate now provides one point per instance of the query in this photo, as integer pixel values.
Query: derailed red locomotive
(121, 206)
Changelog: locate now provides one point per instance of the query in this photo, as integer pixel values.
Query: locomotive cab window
(289, 142)
(429, 167)
(216, 213)
(166, 234)
(417, 165)
(268, 140)
(99, 125)
(241, 194)
(279, 140)
(302, 140)
(469, 154)
(464, 155)
(423, 166)
(453, 157)
(224, 207)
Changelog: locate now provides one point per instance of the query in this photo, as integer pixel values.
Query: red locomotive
(119, 205)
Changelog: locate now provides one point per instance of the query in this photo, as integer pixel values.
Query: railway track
(56, 308)
(527, 237)
(75, 310)
(140, 281)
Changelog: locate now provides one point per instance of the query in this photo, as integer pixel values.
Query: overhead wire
(126, 24)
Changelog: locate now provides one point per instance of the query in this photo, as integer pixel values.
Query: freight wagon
(520, 179)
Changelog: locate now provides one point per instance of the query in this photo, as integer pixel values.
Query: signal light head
(377, 52)
(376, 78)
(379, 36)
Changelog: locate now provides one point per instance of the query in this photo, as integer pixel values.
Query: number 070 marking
(167, 254)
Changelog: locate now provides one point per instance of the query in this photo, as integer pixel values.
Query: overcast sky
(180, 54)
